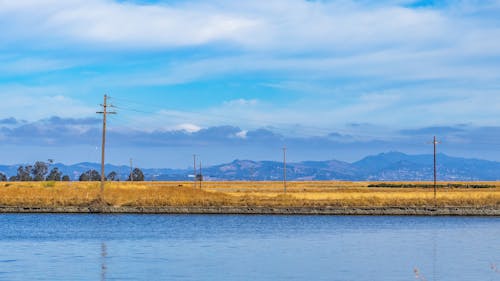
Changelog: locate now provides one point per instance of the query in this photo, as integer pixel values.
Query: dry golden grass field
(267, 194)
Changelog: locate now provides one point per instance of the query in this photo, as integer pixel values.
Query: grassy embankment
(267, 194)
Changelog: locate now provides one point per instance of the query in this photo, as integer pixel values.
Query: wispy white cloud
(241, 102)
(25, 65)
(302, 26)
(37, 102)
(121, 25)
(191, 128)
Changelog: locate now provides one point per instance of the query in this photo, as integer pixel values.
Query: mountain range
(391, 166)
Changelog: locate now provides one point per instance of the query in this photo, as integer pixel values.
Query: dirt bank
(396, 211)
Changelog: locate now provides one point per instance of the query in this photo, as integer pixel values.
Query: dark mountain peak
(243, 162)
(391, 156)
(237, 165)
(323, 164)
(380, 161)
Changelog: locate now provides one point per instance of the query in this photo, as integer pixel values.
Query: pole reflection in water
(434, 253)
(104, 254)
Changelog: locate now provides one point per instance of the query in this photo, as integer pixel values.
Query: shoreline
(253, 210)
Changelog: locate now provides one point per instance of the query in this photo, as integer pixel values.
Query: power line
(215, 116)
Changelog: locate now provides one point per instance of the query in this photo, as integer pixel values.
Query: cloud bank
(262, 143)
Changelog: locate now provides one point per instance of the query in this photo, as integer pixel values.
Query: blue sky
(240, 79)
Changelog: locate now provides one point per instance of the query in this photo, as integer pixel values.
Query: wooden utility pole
(131, 171)
(284, 169)
(435, 142)
(201, 175)
(194, 169)
(104, 113)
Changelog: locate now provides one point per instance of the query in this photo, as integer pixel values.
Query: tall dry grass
(299, 194)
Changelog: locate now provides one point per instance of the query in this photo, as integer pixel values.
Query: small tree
(3, 177)
(24, 173)
(90, 175)
(113, 176)
(84, 177)
(39, 171)
(12, 178)
(54, 175)
(65, 178)
(137, 175)
(199, 177)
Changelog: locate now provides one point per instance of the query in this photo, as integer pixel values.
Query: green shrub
(49, 184)
(449, 185)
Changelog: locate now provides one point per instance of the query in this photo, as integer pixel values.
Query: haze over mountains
(391, 166)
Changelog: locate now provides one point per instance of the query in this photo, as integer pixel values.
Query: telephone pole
(435, 142)
(201, 175)
(194, 169)
(131, 171)
(284, 169)
(104, 113)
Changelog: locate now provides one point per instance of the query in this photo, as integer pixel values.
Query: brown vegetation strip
(240, 194)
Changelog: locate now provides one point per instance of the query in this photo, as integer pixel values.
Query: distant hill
(391, 166)
(400, 166)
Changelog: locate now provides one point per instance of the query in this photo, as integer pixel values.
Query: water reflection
(434, 254)
(104, 254)
(179, 247)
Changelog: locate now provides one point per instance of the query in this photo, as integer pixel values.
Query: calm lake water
(242, 247)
